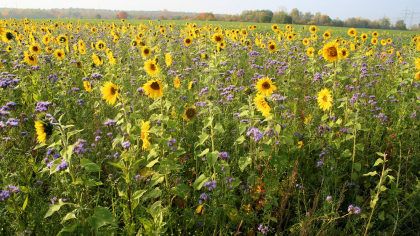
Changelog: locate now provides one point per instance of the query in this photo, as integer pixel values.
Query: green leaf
(54, 207)
(71, 133)
(137, 194)
(207, 122)
(152, 163)
(54, 165)
(373, 201)
(203, 137)
(219, 128)
(89, 166)
(181, 190)
(360, 147)
(287, 139)
(101, 216)
(373, 173)
(69, 216)
(244, 162)
(378, 162)
(117, 165)
(346, 153)
(354, 176)
(199, 182)
(212, 157)
(357, 166)
(157, 179)
(240, 140)
(383, 188)
(204, 152)
(324, 117)
(68, 229)
(25, 203)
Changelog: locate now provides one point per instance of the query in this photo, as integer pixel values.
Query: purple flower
(354, 209)
(329, 198)
(126, 144)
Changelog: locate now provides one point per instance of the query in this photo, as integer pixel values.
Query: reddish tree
(122, 15)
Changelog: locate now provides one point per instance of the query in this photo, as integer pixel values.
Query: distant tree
(122, 15)
(385, 23)
(98, 16)
(400, 25)
(282, 18)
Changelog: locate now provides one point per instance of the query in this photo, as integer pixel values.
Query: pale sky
(370, 9)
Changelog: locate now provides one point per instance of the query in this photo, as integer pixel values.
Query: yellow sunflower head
(262, 105)
(153, 88)
(151, 67)
(87, 86)
(325, 99)
(177, 82)
(189, 114)
(145, 51)
(265, 86)
(330, 51)
(59, 54)
(110, 92)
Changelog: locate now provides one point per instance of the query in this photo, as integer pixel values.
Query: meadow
(207, 128)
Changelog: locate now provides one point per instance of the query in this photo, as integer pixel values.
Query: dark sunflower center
(62, 40)
(59, 54)
(146, 51)
(343, 53)
(218, 38)
(266, 85)
(188, 41)
(48, 128)
(152, 66)
(155, 86)
(332, 51)
(31, 58)
(101, 46)
(9, 36)
(113, 91)
(271, 47)
(325, 98)
(190, 113)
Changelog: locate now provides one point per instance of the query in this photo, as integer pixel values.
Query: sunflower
(35, 49)
(343, 53)
(100, 45)
(62, 39)
(217, 37)
(305, 41)
(417, 76)
(275, 27)
(417, 63)
(109, 92)
(151, 67)
(191, 85)
(48, 49)
(46, 39)
(93, 30)
(145, 51)
(187, 41)
(153, 88)
(97, 60)
(30, 59)
(389, 41)
(9, 48)
(375, 34)
(312, 29)
(43, 129)
(145, 127)
(330, 52)
(265, 86)
(59, 54)
(327, 35)
(8, 36)
(364, 36)
(310, 51)
(352, 32)
(189, 114)
(374, 41)
(383, 42)
(325, 99)
(146, 143)
(177, 82)
(272, 47)
(262, 105)
(87, 86)
(168, 59)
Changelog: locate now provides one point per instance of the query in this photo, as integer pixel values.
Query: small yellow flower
(300, 144)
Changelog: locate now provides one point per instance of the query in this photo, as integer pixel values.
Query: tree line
(282, 16)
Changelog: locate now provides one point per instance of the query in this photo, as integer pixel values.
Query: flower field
(176, 128)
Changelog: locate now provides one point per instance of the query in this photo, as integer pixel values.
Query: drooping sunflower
(417, 76)
(97, 60)
(100, 45)
(145, 51)
(110, 92)
(310, 51)
(43, 130)
(417, 63)
(30, 59)
(189, 114)
(330, 51)
(343, 53)
(87, 86)
(59, 54)
(145, 127)
(153, 88)
(262, 105)
(151, 67)
(168, 59)
(325, 99)
(177, 82)
(265, 86)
